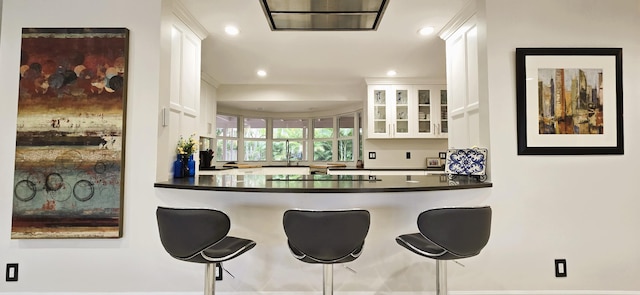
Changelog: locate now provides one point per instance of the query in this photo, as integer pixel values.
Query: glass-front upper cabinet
(400, 126)
(390, 111)
(407, 111)
(444, 123)
(432, 111)
(377, 116)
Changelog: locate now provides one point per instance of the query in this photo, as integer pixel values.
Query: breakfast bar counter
(320, 183)
(256, 205)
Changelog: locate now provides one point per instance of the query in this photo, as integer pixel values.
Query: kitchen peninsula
(256, 203)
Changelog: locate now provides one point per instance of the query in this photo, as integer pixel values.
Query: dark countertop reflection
(318, 183)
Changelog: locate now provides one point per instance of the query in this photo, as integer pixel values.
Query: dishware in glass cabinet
(424, 97)
(401, 96)
(379, 95)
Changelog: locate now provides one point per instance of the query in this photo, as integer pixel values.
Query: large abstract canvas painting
(68, 180)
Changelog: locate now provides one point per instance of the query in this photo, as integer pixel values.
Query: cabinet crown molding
(404, 81)
(458, 20)
(189, 20)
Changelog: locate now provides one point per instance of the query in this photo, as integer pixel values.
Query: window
(227, 137)
(323, 139)
(346, 127)
(291, 134)
(255, 139)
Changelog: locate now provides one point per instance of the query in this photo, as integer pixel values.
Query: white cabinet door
(390, 112)
(379, 113)
(443, 125)
(431, 111)
(402, 112)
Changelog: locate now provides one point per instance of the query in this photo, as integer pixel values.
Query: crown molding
(408, 81)
(189, 20)
(209, 79)
(458, 20)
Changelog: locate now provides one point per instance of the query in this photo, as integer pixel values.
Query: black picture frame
(569, 101)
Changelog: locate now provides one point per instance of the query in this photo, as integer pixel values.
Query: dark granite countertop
(386, 169)
(322, 183)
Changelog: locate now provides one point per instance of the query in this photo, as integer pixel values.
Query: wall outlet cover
(561, 268)
(12, 272)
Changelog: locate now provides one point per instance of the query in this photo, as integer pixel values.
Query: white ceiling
(321, 58)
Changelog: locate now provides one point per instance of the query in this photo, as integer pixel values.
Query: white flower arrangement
(187, 147)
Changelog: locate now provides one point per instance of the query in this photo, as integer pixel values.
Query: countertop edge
(187, 186)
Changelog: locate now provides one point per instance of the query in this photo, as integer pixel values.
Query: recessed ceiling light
(426, 31)
(391, 73)
(261, 73)
(231, 30)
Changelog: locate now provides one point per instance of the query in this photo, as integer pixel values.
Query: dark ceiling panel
(324, 15)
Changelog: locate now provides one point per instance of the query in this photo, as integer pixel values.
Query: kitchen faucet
(287, 153)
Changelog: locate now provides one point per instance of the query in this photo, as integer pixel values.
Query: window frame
(307, 140)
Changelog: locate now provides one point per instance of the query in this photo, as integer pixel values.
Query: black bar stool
(200, 235)
(449, 234)
(326, 237)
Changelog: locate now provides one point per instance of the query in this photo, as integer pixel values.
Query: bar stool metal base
(327, 288)
(210, 279)
(441, 277)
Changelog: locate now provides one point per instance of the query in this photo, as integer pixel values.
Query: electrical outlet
(408, 155)
(561, 268)
(12, 272)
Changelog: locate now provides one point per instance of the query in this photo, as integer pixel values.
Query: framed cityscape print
(569, 101)
(69, 163)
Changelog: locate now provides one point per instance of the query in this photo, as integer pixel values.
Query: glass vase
(181, 166)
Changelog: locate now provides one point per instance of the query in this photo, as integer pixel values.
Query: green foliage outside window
(296, 150)
(255, 150)
(227, 150)
(345, 150)
(322, 151)
(322, 132)
(284, 133)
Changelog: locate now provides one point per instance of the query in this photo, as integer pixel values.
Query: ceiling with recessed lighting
(321, 57)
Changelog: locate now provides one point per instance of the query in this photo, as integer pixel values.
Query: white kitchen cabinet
(407, 111)
(432, 115)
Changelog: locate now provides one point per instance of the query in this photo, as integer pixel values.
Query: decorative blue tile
(466, 161)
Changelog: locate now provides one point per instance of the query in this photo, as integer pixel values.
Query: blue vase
(177, 168)
(192, 166)
(181, 166)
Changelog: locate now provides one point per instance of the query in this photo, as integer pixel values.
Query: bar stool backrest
(326, 235)
(186, 232)
(463, 231)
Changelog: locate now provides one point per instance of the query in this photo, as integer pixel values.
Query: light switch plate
(12, 272)
(561, 268)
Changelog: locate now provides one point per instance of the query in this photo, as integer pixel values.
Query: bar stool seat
(449, 233)
(326, 237)
(200, 236)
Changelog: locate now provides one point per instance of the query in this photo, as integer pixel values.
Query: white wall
(135, 262)
(582, 208)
